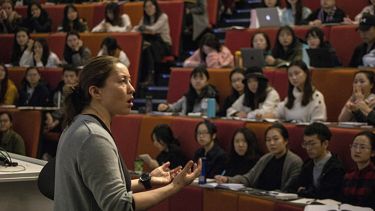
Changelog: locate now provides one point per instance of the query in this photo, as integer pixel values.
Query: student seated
(39, 55)
(304, 102)
(294, 13)
(236, 78)
(277, 170)
(37, 20)
(8, 91)
(110, 47)
(168, 147)
(370, 9)
(199, 89)
(205, 135)
(33, 92)
(287, 47)
(322, 173)
(259, 97)
(210, 53)
(364, 54)
(21, 42)
(315, 40)
(327, 13)
(260, 40)
(114, 21)
(362, 101)
(72, 21)
(75, 53)
(10, 140)
(244, 152)
(9, 19)
(359, 185)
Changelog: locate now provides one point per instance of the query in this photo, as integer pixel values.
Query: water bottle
(211, 108)
(202, 177)
(238, 59)
(204, 104)
(148, 104)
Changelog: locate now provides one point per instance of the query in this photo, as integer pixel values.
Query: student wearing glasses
(359, 184)
(322, 173)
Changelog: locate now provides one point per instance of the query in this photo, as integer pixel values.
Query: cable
(10, 163)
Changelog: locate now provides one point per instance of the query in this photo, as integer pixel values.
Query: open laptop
(252, 57)
(268, 17)
(320, 57)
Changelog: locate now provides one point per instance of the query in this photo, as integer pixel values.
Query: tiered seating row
(329, 81)
(343, 38)
(130, 42)
(133, 136)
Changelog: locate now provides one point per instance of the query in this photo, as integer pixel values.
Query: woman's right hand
(30, 44)
(221, 179)
(188, 174)
(163, 107)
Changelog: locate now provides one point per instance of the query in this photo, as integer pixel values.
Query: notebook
(320, 57)
(252, 57)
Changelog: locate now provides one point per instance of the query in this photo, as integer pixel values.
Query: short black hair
(211, 127)
(8, 114)
(319, 129)
(281, 128)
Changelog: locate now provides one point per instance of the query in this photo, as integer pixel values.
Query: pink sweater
(221, 59)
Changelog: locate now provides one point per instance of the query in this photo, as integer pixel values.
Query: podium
(18, 185)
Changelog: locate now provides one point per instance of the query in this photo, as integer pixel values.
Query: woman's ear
(94, 92)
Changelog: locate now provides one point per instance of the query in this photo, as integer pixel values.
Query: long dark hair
(115, 9)
(43, 13)
(308, 88)
(265, 37)
(147, 18)
(66, 22)
(94, 73)
(211, 41)
(163, 134)
(111, 44)
(371, 137)
(17, 52)
(251, 99)
(192, 96)
(277, 3)
(46, 51)
(253, 152)
(235, 93)
(299, 10)
(278, 50)
(67, 50)
(3, 84)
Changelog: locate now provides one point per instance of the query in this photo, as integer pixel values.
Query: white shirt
(122, 57)
(315, 110)
(27, 60)
(125, 19)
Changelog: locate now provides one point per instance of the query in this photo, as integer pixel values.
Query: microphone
(5, 159)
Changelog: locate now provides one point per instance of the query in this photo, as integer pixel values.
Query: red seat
(56, 42)
(53, 76)
(344, 39)
(125, 130)
(352, 9)
(6, 43)
(280, 82)
(56, 13)
(259, 129)
(178, 84)
(296, 139)
(184, 130)
(212, 11)
(189, 198)
(175, 10)
(220, 200)
(225, 132)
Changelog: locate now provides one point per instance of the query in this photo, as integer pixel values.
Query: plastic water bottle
(204, 105)
(202, 177)
(211, 108)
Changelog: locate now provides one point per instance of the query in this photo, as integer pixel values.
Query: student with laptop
(328, 13)
(261, 41)
(267, 16)
(318, 52)
(321, 175)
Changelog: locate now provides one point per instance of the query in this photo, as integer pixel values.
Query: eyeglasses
(306, 145)
(202, 133)
(360, 147)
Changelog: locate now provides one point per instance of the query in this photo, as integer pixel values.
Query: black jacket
(358, 54)
(330, 179)
(215, 160)
(38, 98)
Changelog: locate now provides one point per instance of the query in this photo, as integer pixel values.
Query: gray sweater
(88, 169)
(291, 170)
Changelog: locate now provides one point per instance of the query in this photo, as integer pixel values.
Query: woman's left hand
(163, 175)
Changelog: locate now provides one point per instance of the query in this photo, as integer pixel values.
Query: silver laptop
(268, 17)
(252, 57)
